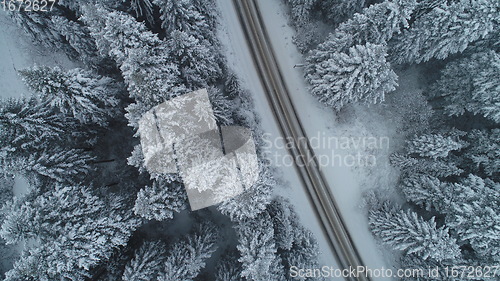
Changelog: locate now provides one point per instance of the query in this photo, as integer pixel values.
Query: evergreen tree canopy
(360, 75)
(161, 200)
(74, 230)
(471, 84)
(408, 232)
(79, 93)
(447, 29)
(26, 123)
(433, 145)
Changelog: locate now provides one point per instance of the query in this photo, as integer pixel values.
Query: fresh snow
(347, 183)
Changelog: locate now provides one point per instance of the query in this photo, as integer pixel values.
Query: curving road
(306, 165)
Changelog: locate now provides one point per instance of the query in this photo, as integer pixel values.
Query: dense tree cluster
(448, 164)
(360, 42)
(439, 175)
(92, 211)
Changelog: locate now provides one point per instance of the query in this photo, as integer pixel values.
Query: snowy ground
(343, 135)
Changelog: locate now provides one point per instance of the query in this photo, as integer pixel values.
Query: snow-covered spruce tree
(184, 16)
(74, 229)
(428, 192)
(146, 262)
(222, 106)
(433, 167)
(339, 11)
(65, 166)
(79, 93)
(197, 60)
(143, 8)
(475, 216)
(57, 29)
(161, 200)
(27, 124)
(296, 246)
(78, 37)
(360, 75)
(482, 156)
(447, 29)
(284, 222)
(433, 145)
(142, 57)
(472, 85)
(376, 24)
(301, 10)
(258, 251)
(303, 254)
(252, 201)
(228, 268)
(408, 232)
(186, 258)
(40, 28)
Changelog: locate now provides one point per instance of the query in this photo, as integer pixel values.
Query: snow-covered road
(319, 123)
(240, 60)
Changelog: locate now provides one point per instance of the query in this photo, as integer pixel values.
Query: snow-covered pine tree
(161, 200)
(433, 145)
(40, 28)
(187, 257)
(228, 268)
(57, 164)
(284, 222)
(75, 231)
(303, 254)
(35, 264)
(57, 29)
(143, 8)
(27, 124)
(79, 93)
(232, 87)
(482, 156)
(252, 201)
(376, 24)
(433, 167)
(142, 57)
(258, 251)
(197, 60)
(408, 232)
(222, 106)
(147, 261)
(428, 192)
(295, 245)
(447, 29)
(360, 75)
(18, 219)
(471, 84)
(339, 11)
(475, 216)
(184, 16)
(78, 37)
(301, 10)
